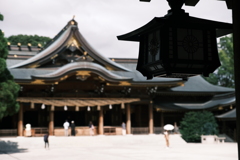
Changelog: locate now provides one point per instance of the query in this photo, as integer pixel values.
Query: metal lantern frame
(178, 45)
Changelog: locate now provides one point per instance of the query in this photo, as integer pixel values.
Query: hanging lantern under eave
(43, 106)
(65, 108)
(88, 108)
(178, 45)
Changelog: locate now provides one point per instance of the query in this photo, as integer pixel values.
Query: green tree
(1, 17)
(195, 124)
(25, 39)
(8, 88)
(224, 76)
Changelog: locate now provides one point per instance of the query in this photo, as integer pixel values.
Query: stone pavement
(133, 147)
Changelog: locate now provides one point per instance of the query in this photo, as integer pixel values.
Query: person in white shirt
(28, 130)
(66, 125)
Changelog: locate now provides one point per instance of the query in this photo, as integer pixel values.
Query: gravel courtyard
(132, 147)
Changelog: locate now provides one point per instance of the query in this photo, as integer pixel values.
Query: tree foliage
(195, 124)
(224, 76)
(25, 39)
(1, 17)
(8, 88)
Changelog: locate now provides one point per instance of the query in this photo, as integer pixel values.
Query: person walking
(166, 135)
(45, 139)
(123, 128)
(91, 128)
(66, 125)
(72, 129)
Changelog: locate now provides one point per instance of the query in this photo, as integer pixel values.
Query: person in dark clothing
(72, 128)
(45, 138)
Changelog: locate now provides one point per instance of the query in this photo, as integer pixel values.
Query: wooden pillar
(100, 125)
(51, 121)
(128, 120)
(162, 119)
(20, 120)
(236, 48)
(151, 118)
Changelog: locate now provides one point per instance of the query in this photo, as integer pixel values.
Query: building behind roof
(70, 80)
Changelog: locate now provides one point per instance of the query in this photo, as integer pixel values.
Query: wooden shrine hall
(69, 80)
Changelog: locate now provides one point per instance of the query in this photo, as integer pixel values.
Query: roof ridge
(71, 22)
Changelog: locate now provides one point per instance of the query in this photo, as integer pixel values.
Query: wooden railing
(140, 130)
(8, 132)
(39, 131)
(158, 130)
(145, 130)
(109, 130)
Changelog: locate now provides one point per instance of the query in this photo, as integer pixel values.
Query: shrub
(195, 124)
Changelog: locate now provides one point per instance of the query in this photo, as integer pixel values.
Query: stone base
(208, 139)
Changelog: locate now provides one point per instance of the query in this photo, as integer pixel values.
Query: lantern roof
(180, 19)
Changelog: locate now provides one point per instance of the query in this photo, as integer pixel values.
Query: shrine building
(69, 80)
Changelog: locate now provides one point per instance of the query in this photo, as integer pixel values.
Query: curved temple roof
(86, 66)
(69, 33)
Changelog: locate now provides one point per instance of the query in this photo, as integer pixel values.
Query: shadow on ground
(10, 147)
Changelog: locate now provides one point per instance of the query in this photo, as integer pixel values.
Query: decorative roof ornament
(82, 77)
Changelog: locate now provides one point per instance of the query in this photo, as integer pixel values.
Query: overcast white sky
(100, 21)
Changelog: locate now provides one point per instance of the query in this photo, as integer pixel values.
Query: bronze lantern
(178, 45)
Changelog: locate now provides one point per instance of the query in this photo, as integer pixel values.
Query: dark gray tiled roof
(11, 62)
(214, 102)
(26, 73)
(198, 84)
(77, 66)
(23, 53)
(230, 114)
(137, 76)
(194, 84)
